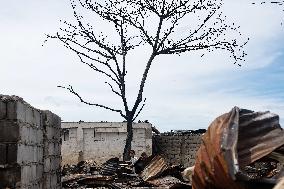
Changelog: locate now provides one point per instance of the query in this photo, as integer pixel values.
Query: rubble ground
(117, 174)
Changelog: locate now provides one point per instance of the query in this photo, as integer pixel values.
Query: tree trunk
(129, 138)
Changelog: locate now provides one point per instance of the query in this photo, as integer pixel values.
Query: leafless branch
(112, 89)
(65, 41)
(71, 90)
(93, 67)
(139, 110)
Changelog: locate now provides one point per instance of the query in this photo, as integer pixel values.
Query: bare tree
(143, 22)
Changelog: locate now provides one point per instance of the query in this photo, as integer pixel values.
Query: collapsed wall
(178, 147)
(29, 145)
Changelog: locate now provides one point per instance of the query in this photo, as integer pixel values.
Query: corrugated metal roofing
(154, 168)
(232, 141)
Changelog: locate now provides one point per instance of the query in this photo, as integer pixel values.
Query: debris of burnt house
(115, 174)
(239, 150)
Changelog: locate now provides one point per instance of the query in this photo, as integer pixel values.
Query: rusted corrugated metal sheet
(165, 181)
(232, 141)
(259, 134)
(169, 182)
(154, 168)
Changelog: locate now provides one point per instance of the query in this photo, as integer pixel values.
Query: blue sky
(185, 92)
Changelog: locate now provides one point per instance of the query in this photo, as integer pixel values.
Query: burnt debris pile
(154, 172)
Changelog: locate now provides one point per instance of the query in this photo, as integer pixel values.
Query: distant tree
(143, 22)
(277, 3)
(269, 1)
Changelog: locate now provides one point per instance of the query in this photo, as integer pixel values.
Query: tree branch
(71, 90)
(112, 89)
(64, 40)
(145, 74)
(139, 110)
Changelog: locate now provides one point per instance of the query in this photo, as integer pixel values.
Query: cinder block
(51, 120)
(31, 135)
(33, 173)
(57, 150)
(24, 133)
(20, 154)
(3, 155)
(3, 108)
(55, 163)
(40, 154)
(39, 171)
(37, 118)
(50, 133)
(12, 153)
(9, 131)
(45, 148)
(52, 164)
(29, 116)
(53, 180)
(37, 154)
(58, 162)
(24, 154)
(31, 153)
(148, 133)
(34, 154)
(47, 165)
(40, 136)
(46, 180)
(58, 135)
(51, 149)
(25, 175)
(16, 111)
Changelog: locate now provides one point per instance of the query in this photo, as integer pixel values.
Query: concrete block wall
(102, 146)
(22, 144)
(100, 141)
(178, 149)
(70, 148)
(51, 150)
(142, 140)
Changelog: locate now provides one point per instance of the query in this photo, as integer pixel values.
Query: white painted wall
(100, 141)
